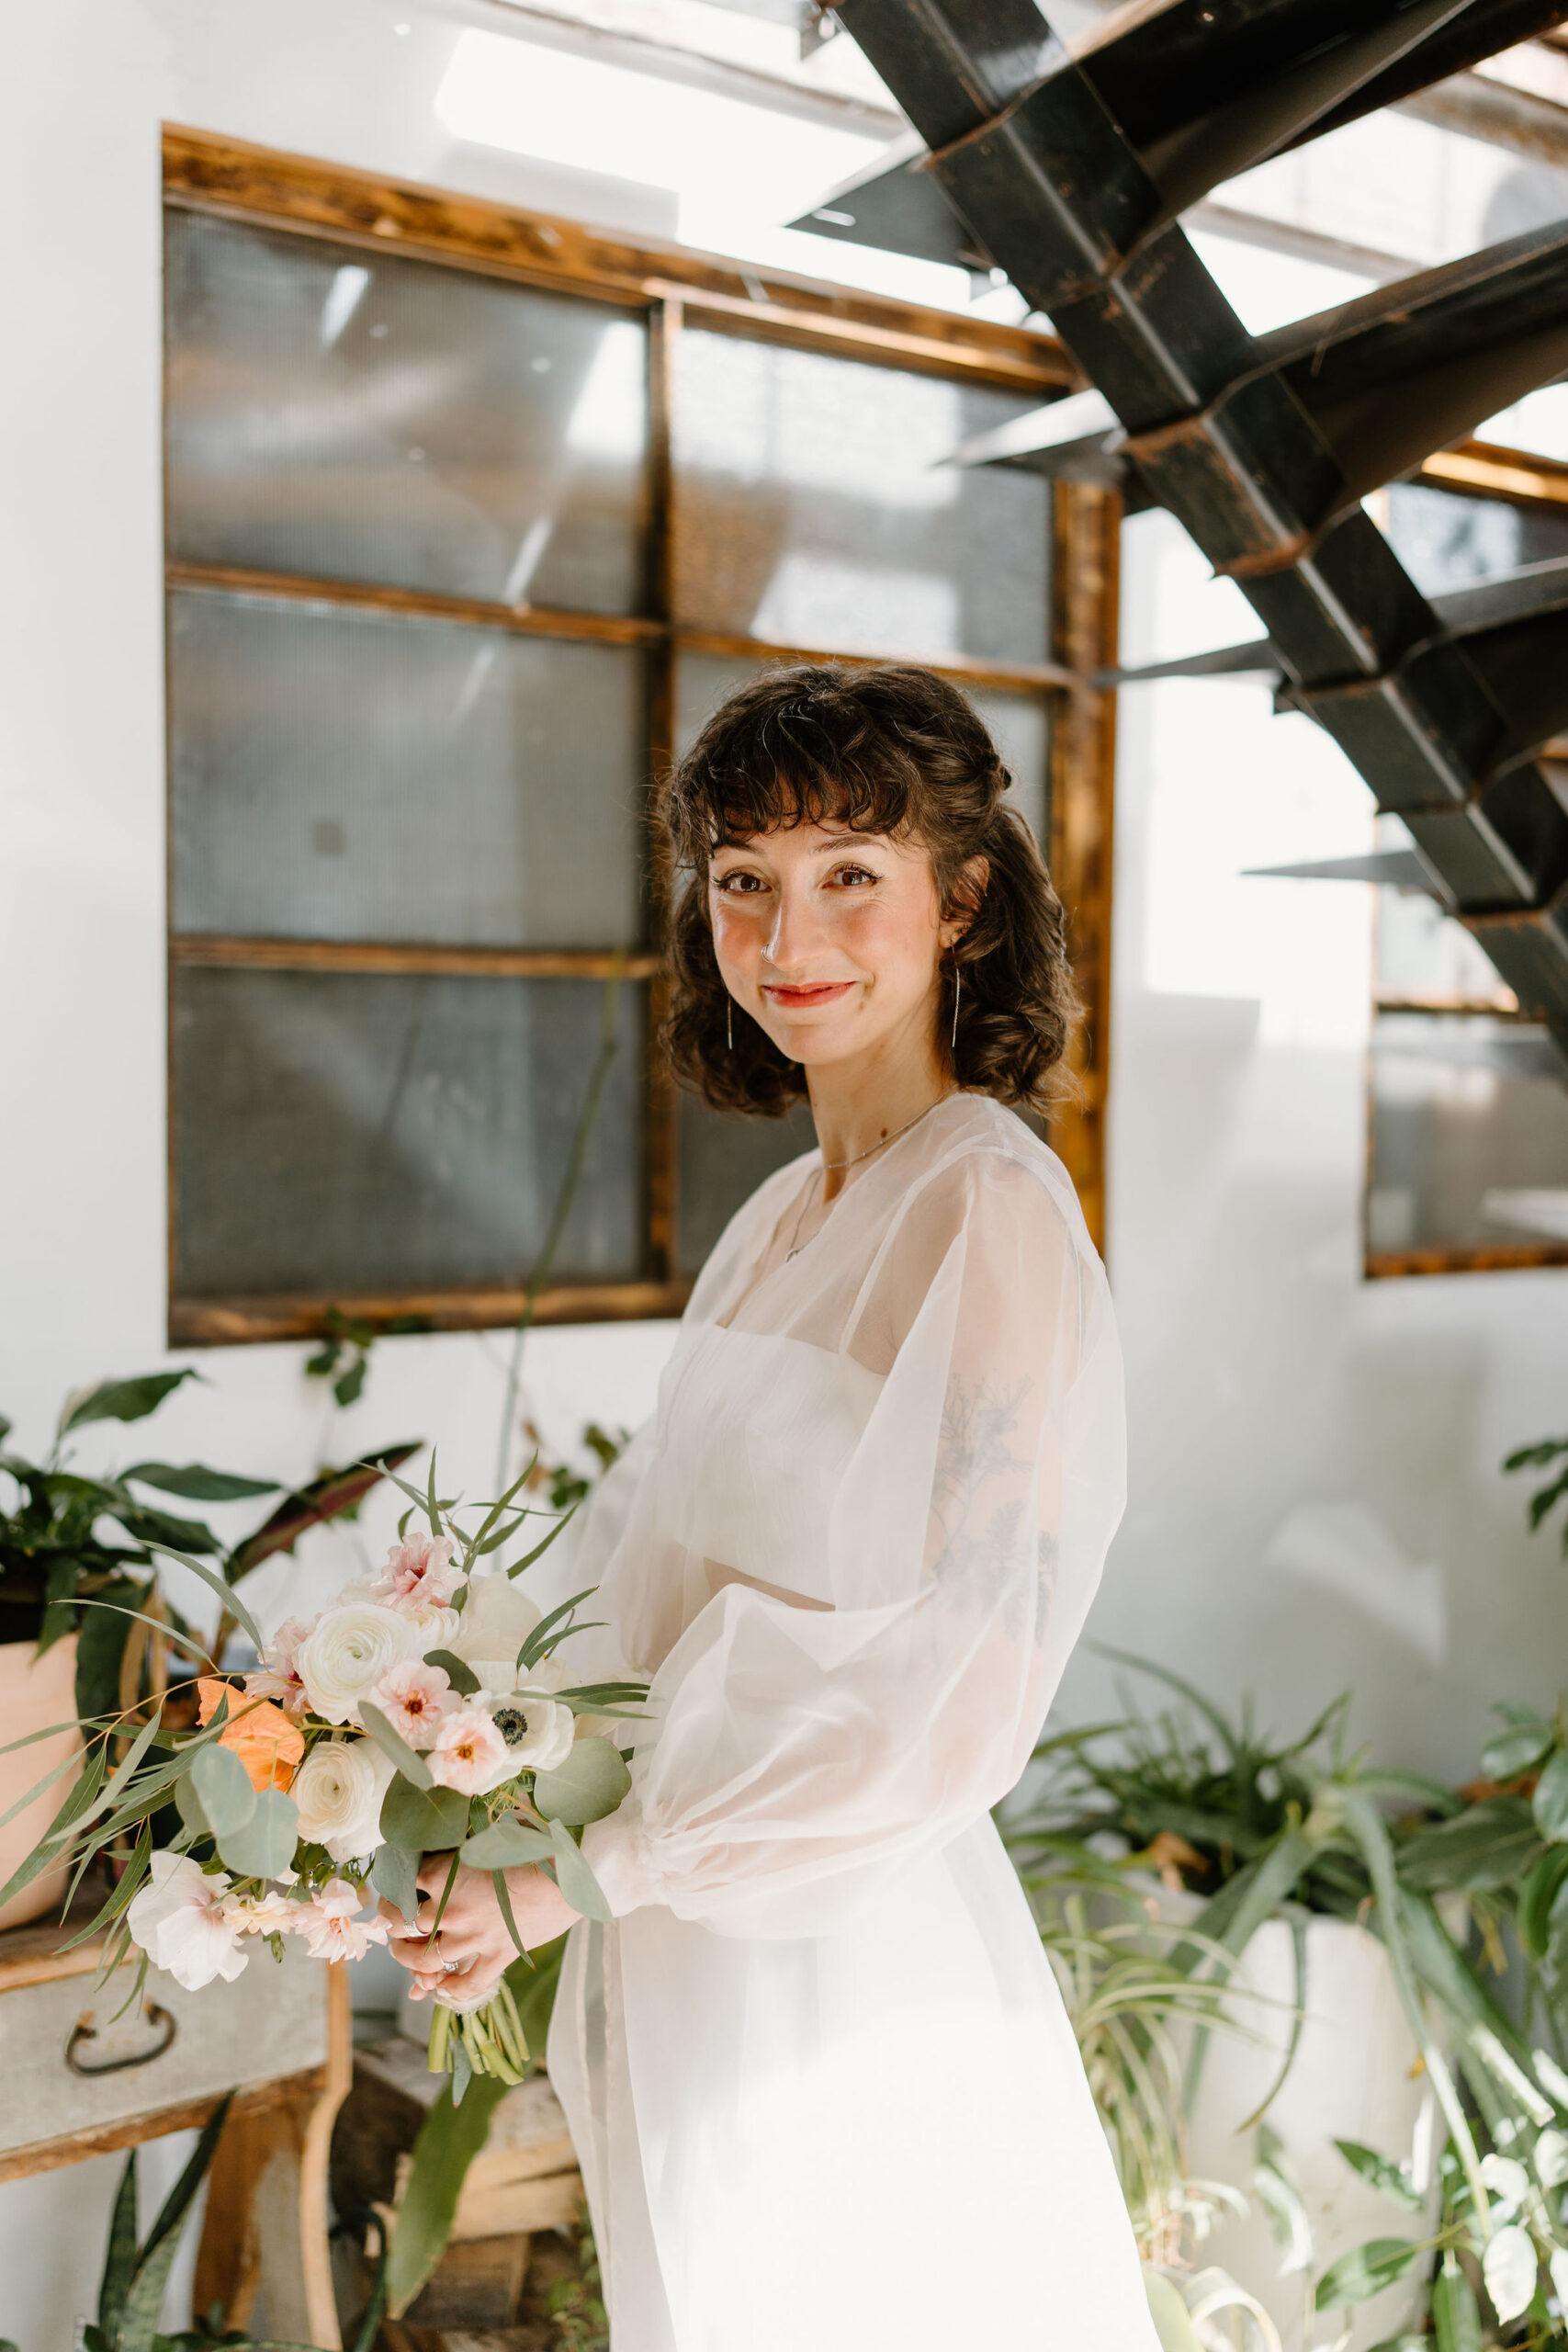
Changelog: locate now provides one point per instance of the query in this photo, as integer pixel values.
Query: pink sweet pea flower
(470, 1754)
(415, 1699)
(278, 1679)
(330, 1928)
(178, 1920)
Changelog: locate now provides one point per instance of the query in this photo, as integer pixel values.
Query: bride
(821, 2079)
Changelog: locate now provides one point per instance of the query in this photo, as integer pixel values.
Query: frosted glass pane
(814, 507)
(1446, 541)
(1020, 725)
(341, 1133)
(723, 1160)
(355, 416)
(345, 774)
(1463, 1156)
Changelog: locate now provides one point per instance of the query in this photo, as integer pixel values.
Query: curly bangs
(882, 748)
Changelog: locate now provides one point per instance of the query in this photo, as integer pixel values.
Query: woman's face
(830, 939)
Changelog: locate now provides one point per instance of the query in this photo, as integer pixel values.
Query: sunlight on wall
(720, 155)
(1231, 786)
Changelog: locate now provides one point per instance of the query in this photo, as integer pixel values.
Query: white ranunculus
(497, 1619)
(348, 1651)
(1551, 2159)
(178, 1921)
(539, 1732)
(338, 1789)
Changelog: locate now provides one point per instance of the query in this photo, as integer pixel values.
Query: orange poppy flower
(268, 1745)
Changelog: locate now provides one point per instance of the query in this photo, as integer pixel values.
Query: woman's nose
(794, 933)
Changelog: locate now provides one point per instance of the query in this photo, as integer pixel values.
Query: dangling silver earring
(729, 1022)
(957, 984)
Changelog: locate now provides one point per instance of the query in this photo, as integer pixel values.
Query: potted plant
(85, 1627)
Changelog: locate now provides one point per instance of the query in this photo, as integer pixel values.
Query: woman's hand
(473, 1931)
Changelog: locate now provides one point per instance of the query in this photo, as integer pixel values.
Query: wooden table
(80, 2083)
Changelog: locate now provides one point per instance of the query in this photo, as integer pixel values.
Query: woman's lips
(791, 999)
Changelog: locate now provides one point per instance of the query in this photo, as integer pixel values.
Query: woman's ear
(974, 878)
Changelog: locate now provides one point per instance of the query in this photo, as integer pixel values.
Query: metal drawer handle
(83, 2030)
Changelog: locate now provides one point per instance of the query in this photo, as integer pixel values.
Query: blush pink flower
(278, 1679)
(330, 1928)
(415, 1699)
(419, 1577)
(470, 1754)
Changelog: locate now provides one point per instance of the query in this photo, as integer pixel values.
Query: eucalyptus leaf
(394, 1873)
(191, 1808)
(590, 1784)
(423, 1821)
(411, 1766)
(574, 1878)
(223, 1785)
(1365, 2271)
(507, 1845)
(457, 1670)
(263, 1847)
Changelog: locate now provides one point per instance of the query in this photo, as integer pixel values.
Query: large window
(1468, 1144)
(471, 519)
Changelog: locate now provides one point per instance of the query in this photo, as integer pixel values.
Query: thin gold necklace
(833, 1167)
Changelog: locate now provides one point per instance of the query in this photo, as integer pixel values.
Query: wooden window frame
(1486, 470)
(671, 287)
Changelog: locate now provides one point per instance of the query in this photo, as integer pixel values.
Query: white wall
(1314, 1497)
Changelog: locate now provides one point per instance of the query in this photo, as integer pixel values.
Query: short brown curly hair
(885, 748)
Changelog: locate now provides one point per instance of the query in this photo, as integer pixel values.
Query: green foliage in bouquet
(79, 1554)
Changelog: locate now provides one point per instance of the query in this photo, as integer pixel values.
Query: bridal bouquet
(424, 1711)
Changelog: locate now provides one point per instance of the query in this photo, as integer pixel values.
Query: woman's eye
(734, 883)
(855, 875)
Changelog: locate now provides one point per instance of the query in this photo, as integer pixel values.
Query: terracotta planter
(34, 1692)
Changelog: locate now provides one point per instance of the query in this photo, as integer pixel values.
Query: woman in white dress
(821, 2079)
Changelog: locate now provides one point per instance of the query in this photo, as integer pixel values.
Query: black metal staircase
(1070, 171)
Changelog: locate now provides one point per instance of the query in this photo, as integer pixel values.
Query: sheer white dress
(822, 2085)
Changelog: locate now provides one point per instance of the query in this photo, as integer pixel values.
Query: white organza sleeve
(802, 1754)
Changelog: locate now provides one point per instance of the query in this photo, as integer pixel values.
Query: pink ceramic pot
(34, 1692)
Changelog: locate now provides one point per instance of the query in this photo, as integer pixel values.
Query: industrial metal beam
(1066, 170)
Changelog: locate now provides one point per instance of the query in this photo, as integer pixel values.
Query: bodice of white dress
(856, 1544)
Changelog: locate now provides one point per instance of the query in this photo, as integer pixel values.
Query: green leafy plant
(1542, 1456)
(576, 2306)
(1256, 1828)
(343, 1355)
(136, 2275)
(1128, 2001)
(80, 1554)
